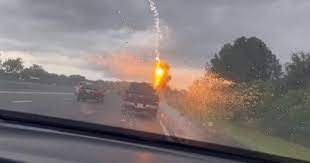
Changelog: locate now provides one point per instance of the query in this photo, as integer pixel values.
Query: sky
(114, 39)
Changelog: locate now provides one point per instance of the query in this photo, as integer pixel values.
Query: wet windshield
(89, 86)
(235, 73)
(141, 88)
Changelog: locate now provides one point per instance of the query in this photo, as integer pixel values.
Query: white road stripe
(68, 99)
(164, 128)
(41, 93)
(15, 102)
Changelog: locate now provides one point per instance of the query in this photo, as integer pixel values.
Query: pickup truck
(140, 98)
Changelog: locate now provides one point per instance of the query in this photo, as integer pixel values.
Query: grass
(257, 141)
(253, 139)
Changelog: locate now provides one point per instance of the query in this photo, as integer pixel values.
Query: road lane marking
(25, 101)
(164, 128)
(68, 99)
(41, 93)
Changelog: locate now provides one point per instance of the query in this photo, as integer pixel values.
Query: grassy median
(258, 141)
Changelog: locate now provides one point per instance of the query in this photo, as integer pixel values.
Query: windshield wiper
(138, 137)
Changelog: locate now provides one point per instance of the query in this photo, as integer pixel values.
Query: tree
(1, 71)
(13, 66)
(298, 70)
(34, 72)
(0, 64)
(246, 60)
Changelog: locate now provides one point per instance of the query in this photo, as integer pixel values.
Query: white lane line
(16, 102)
(41, 93)
(164, 128)
(68, 99)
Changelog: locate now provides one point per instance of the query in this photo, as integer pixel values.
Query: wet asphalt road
(65, 105)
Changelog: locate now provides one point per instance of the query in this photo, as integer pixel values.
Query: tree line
(245, 83)
(249, 59)
(14, 69)
(283, 108)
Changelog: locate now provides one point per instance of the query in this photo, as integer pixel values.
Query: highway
(65, 105)
(60, 103)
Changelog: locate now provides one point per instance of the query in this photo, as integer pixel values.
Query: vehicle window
(141, 88)
(88, 86)
(234, 72)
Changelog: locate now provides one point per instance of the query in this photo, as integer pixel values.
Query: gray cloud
(202, 27)
(197, 29)
(68, 24)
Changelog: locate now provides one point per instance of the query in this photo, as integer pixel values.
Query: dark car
(140, 98)
(76, 88)
(89, 92)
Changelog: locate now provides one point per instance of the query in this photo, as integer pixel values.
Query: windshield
(235, 73)
(141, 88)
(89, 86)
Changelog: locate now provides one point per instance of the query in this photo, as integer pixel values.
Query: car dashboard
(29, 144)
(27, 137)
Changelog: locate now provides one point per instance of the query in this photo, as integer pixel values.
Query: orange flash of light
(160, 73)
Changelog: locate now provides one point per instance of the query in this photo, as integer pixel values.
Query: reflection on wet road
(65, 105)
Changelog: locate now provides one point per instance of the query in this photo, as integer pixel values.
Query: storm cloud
(194, 30)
